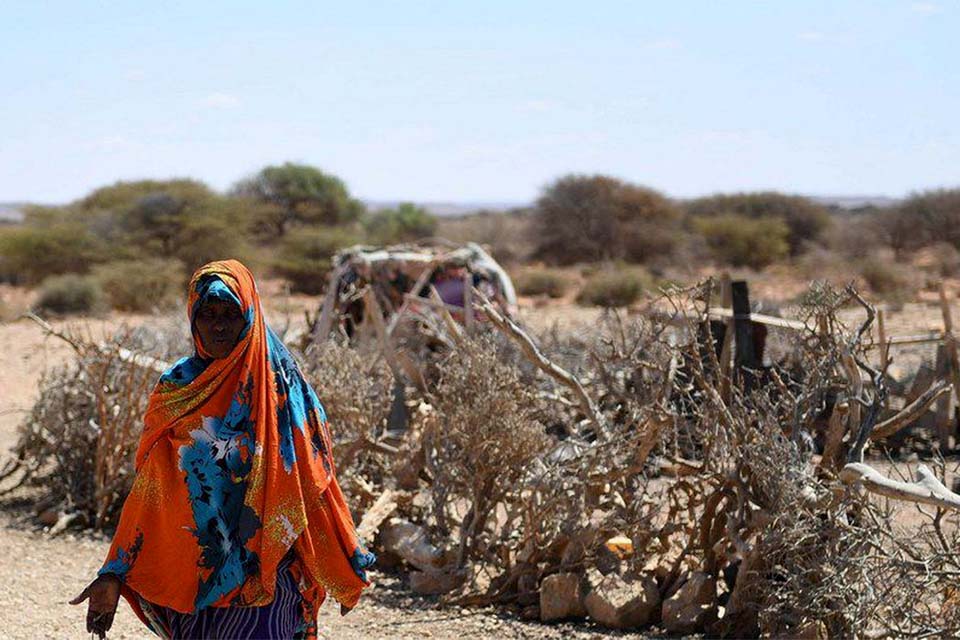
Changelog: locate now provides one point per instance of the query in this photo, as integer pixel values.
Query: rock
(692, 607)
(620, 603)
(410, 542)
(48, 517)
(561, 597)
(530, 613)
(434, 583)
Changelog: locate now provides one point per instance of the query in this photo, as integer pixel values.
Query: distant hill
(448, 209)
(855, 202)
(11, 212)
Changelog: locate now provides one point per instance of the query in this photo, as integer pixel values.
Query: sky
(482, 101)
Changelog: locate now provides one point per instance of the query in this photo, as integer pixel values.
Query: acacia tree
(298, 193)
(591, 218)
(182, 219)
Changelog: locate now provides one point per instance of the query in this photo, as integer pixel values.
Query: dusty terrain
(42, 573)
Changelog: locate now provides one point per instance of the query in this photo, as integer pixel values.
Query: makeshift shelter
(412, 278)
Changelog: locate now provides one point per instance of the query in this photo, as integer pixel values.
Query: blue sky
(457, 101)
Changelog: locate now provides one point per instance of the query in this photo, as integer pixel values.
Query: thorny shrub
(733, 476)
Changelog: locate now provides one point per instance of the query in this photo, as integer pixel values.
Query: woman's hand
(104, 594)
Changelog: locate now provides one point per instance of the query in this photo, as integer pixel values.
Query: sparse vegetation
(142, 285)
(541, 282)
(740, 241)
(70, 293)
(882, 277)
(303, 257)
(405, 223)
(805, 220)
(613, 287)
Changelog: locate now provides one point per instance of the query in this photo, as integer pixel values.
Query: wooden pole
(468, 302)
(322, 329)
(726, 351)
(884, 347)
(945, 429)
(744, 356)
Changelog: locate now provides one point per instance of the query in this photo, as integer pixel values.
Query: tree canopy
(581, 218)
(297, 193)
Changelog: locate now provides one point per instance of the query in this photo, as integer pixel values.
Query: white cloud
(220, 101)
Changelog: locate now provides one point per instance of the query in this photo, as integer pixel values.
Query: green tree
(121, 196)
(405, 223)
(805, 219)
(745, 242)
(589, 218)
(297, 193)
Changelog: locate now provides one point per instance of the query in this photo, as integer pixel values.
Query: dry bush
(487, 431)
(600, 218)
(503, 233)
(77, 444)
(70, 293)
(741, 241)
(540, 282)
(618, 287)
(355, 388)
(736, 476)
(141, 285)
(941, 260)
(882, 277)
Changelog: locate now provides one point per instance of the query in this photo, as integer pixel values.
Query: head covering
(235, 467)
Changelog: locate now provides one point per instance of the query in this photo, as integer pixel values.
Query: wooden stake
(884, 347)
(322, 329)
(468, 301)
(945, 429)
(726, 351)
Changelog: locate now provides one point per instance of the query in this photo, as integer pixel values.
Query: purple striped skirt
(282, 618)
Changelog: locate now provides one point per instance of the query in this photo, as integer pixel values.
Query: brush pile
(627, 476)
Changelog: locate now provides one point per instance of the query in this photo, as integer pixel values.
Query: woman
(235, 526)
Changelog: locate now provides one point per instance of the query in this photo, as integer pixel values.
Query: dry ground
(40, 573)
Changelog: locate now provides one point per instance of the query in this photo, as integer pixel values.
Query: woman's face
(219, 325)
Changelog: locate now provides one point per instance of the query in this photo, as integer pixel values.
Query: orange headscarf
(234, 468)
